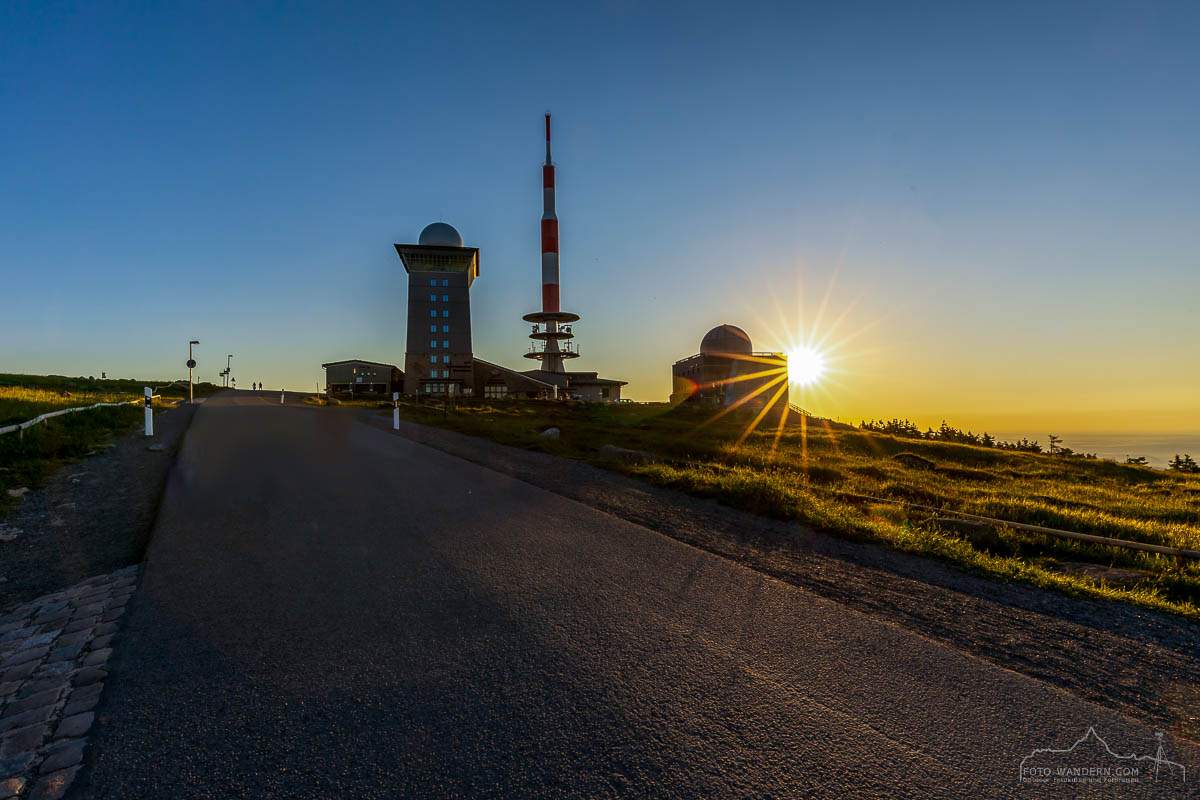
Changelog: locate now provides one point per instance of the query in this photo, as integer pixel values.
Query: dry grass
(19, 403)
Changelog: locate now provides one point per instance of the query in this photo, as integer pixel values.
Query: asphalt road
(330, 610)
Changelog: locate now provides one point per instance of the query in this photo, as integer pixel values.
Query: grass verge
(27, 458)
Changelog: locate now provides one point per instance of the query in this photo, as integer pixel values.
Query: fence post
(395, 411)
(149, 413)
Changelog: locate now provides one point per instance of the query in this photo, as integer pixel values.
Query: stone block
(47, 697)
(68, 653)
(79, 705)
(31, 717)
(14, 765)
(97, 658)
(62, 754)
(40, 685)
(27, 654)
(55, 785)
(19, 673)
(75, 726)
(81, 624)
(11, 787)
(23, 740)
(89, 675)
(90, 610)
(105, 629)
(68, 639)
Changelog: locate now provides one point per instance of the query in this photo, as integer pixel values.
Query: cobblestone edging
(53, 656)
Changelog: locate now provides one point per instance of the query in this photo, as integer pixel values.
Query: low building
(727, 371)
(585, 386)
(357, 376)
(494, 382)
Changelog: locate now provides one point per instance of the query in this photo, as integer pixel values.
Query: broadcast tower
(550, 325)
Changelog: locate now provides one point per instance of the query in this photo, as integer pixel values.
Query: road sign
(191, 363)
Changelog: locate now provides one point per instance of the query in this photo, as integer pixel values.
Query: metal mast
(546, 329)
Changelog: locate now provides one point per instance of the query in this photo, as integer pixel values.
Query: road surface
(331, 610)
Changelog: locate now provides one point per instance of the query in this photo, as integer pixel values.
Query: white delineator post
(149, 413)
(280, 397)
(395, 411)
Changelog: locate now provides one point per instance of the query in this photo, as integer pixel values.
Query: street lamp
(191, 364)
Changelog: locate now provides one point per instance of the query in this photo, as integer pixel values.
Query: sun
(805, 366)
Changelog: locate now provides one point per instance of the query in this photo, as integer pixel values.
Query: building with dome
(727, 371)
(439, 359)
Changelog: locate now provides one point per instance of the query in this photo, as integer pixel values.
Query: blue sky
(998, 202)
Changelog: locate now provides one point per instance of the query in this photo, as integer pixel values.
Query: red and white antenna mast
(546, 329)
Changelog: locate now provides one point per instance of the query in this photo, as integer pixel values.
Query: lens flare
(806, 365)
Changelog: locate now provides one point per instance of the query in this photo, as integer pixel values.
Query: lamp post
(191, 364)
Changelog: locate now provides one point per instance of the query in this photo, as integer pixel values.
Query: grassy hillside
(27, 458)
(820, 474)
(26, 396)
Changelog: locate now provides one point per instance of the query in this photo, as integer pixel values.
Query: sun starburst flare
(818, 349)
(806, 365)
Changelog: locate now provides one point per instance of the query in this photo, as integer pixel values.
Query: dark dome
(441, 235)
(726, 339)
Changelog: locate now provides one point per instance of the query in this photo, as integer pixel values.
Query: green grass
(25, 396)
(29, 458)
(18, 403)
(810, 475)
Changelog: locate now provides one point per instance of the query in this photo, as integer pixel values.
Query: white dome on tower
(440, 234)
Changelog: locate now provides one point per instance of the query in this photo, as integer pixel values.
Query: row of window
(433, 312)
(445, 298)
(495, 391)
(433, 329)
(433, 344)
(445, 373)
(434, 282)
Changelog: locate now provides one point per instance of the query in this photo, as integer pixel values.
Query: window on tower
(433, 344)
(433, 298)
(433, 312)
(445, 329)
(446, 343)
(445, 312)
(433, 328)
(445, 298)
